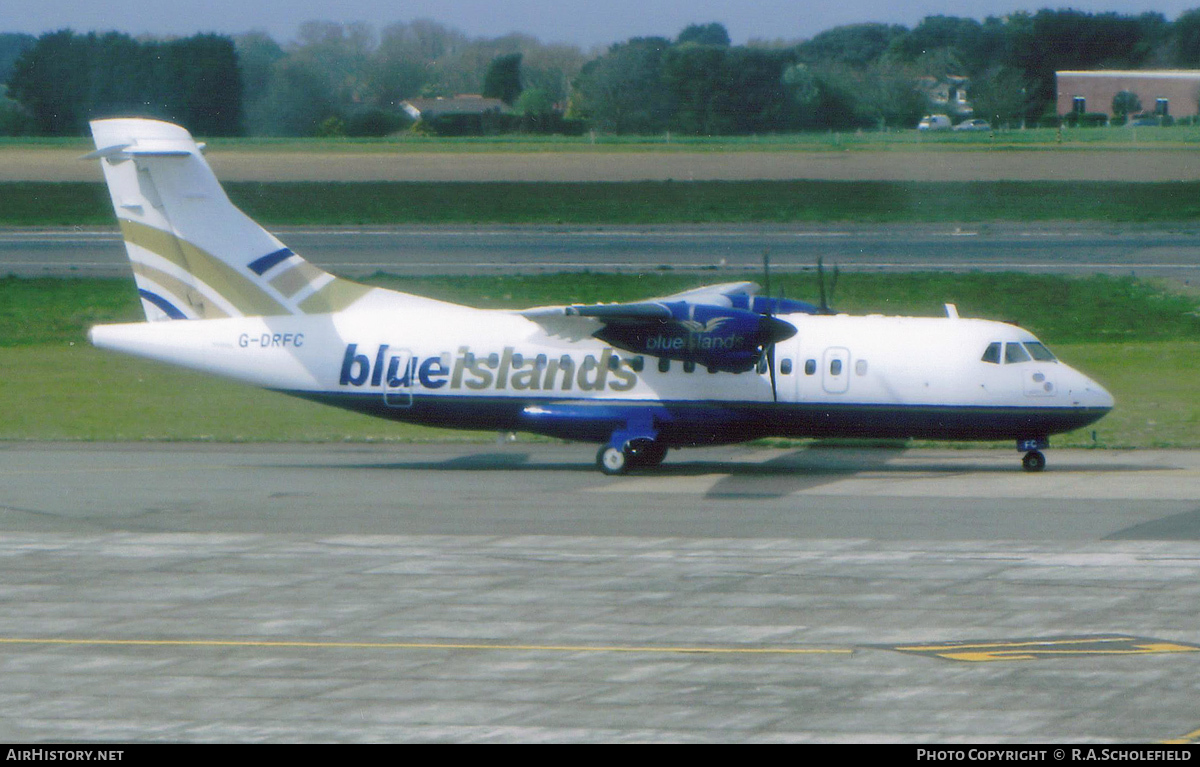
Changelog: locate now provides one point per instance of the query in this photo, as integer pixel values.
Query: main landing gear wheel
(612, 461)
(1033, 461)
(645, 453)
(637, 454)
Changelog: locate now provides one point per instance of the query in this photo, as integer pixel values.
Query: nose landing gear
(1034, 460)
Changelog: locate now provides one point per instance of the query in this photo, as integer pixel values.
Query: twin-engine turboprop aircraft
(715, 365)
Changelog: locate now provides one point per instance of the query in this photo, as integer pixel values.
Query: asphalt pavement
(1152, 252)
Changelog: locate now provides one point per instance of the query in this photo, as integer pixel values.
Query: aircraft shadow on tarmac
(802, 469)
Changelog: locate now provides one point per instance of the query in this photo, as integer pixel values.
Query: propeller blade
(777, 330)
(771, 368)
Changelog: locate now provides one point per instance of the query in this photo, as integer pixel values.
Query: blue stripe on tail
(163, 304)
(260, 265)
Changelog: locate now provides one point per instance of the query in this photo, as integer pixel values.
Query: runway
(1148, 252)
(509, 592)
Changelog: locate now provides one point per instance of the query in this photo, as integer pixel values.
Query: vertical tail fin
(194, 254)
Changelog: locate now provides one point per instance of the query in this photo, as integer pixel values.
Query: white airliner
(716, 365)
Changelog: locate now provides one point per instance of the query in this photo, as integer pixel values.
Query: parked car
(975, 124)
(934, 122)
(1146, 119)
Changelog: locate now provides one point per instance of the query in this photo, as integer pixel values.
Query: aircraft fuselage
(453, 366)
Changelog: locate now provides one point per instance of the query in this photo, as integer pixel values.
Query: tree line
(63, 79)
(348, 79)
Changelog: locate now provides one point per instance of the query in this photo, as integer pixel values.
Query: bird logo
(695, 326)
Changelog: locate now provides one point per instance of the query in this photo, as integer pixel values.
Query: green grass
(665, 202)
(75, 392)
(901, 139)
(672, 202)
(1139, 340)
(1156, 388)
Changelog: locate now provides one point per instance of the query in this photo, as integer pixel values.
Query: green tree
(50, 80)
(623, 90)
(999, 96)
(1124, 104)
(1185, 39)
(722, 90)
(12, 45)
(855, 45)
(65, 79)
(207, 84)
(534, 102)
(697, 77)
(503, 79)
(704, 34)
(257, 56)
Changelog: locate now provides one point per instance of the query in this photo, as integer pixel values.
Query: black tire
(1033, 461)
(645, 453)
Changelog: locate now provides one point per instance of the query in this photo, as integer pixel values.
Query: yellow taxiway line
(424, 646)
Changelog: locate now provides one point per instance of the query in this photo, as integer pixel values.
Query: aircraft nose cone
(1090, 394)
(1102, 396)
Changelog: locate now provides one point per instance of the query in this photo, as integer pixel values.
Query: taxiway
(717, 250)
(509, 592)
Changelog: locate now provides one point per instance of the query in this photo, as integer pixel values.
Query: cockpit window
(1015, 353)
(992, 353)
(1039, 351)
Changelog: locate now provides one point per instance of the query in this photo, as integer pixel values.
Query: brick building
(1164, 92)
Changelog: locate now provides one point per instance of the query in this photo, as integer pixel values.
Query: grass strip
(659, 202)
(894, 139)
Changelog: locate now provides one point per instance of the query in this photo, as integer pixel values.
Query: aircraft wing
(716, 295)
(720, 326)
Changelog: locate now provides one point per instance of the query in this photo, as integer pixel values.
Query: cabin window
(835, 367)
(1015, 353)
(1039, 351)
(614, 362)
(810, 367)
(664, 365)
(689, 366)
(992, 353)
(761, 367)
(860, 367)
(637, 363)
(785, 366)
